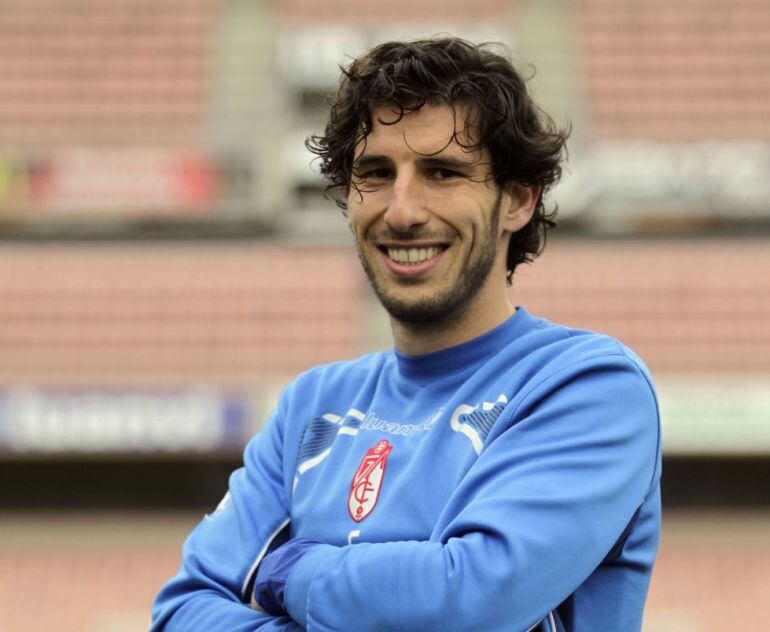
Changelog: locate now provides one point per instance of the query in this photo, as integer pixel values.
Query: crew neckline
(466, 355)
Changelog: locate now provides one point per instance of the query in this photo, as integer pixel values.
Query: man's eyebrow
(447, 161)
(371, 159)
(427, 161)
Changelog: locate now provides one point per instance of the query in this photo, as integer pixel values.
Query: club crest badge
(367, 481)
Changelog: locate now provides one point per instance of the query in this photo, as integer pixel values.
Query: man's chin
(420, 311)
(420, 302)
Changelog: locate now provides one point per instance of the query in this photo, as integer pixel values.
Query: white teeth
(412, 255)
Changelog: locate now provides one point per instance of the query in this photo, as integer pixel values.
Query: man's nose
(406, 208)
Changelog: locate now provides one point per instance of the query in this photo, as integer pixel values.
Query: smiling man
(494, 470)
(426, 214)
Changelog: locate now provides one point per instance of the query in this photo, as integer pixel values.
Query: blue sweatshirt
(508, 483)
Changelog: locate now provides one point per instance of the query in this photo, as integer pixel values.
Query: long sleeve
(549, 497)
(211, 590)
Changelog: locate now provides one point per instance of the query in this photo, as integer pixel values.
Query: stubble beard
(450, 303)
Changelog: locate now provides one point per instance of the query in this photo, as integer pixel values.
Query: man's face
(425, 214)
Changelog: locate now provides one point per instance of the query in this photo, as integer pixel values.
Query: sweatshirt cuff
(300, 576)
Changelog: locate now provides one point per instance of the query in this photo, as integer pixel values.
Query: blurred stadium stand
(168, 263)
(677, 114)
(140, 347)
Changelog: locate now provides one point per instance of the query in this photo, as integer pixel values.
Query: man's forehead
(433, 129)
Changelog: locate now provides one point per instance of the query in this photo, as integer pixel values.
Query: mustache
(416, 234)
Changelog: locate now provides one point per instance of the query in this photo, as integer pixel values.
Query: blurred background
(167, 263)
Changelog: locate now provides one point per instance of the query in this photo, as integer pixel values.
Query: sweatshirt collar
(467, 355)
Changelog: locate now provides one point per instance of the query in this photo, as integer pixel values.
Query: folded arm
(545, 502)
(212, 588)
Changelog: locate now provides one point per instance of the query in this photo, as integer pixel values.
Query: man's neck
(420, 339)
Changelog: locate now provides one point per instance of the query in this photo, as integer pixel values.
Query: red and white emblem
(367, 481)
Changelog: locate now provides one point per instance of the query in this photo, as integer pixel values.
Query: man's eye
(374, 174)
(445, 174)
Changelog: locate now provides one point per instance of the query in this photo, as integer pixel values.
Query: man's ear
(519, 204)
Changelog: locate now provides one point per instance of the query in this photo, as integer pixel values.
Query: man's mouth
(413, 254)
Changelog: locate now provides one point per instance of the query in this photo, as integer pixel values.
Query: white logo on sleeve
(475, 422)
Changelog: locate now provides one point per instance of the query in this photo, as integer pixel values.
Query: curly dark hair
(525, 144)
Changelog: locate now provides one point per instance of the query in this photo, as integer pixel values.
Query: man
(494, 471)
